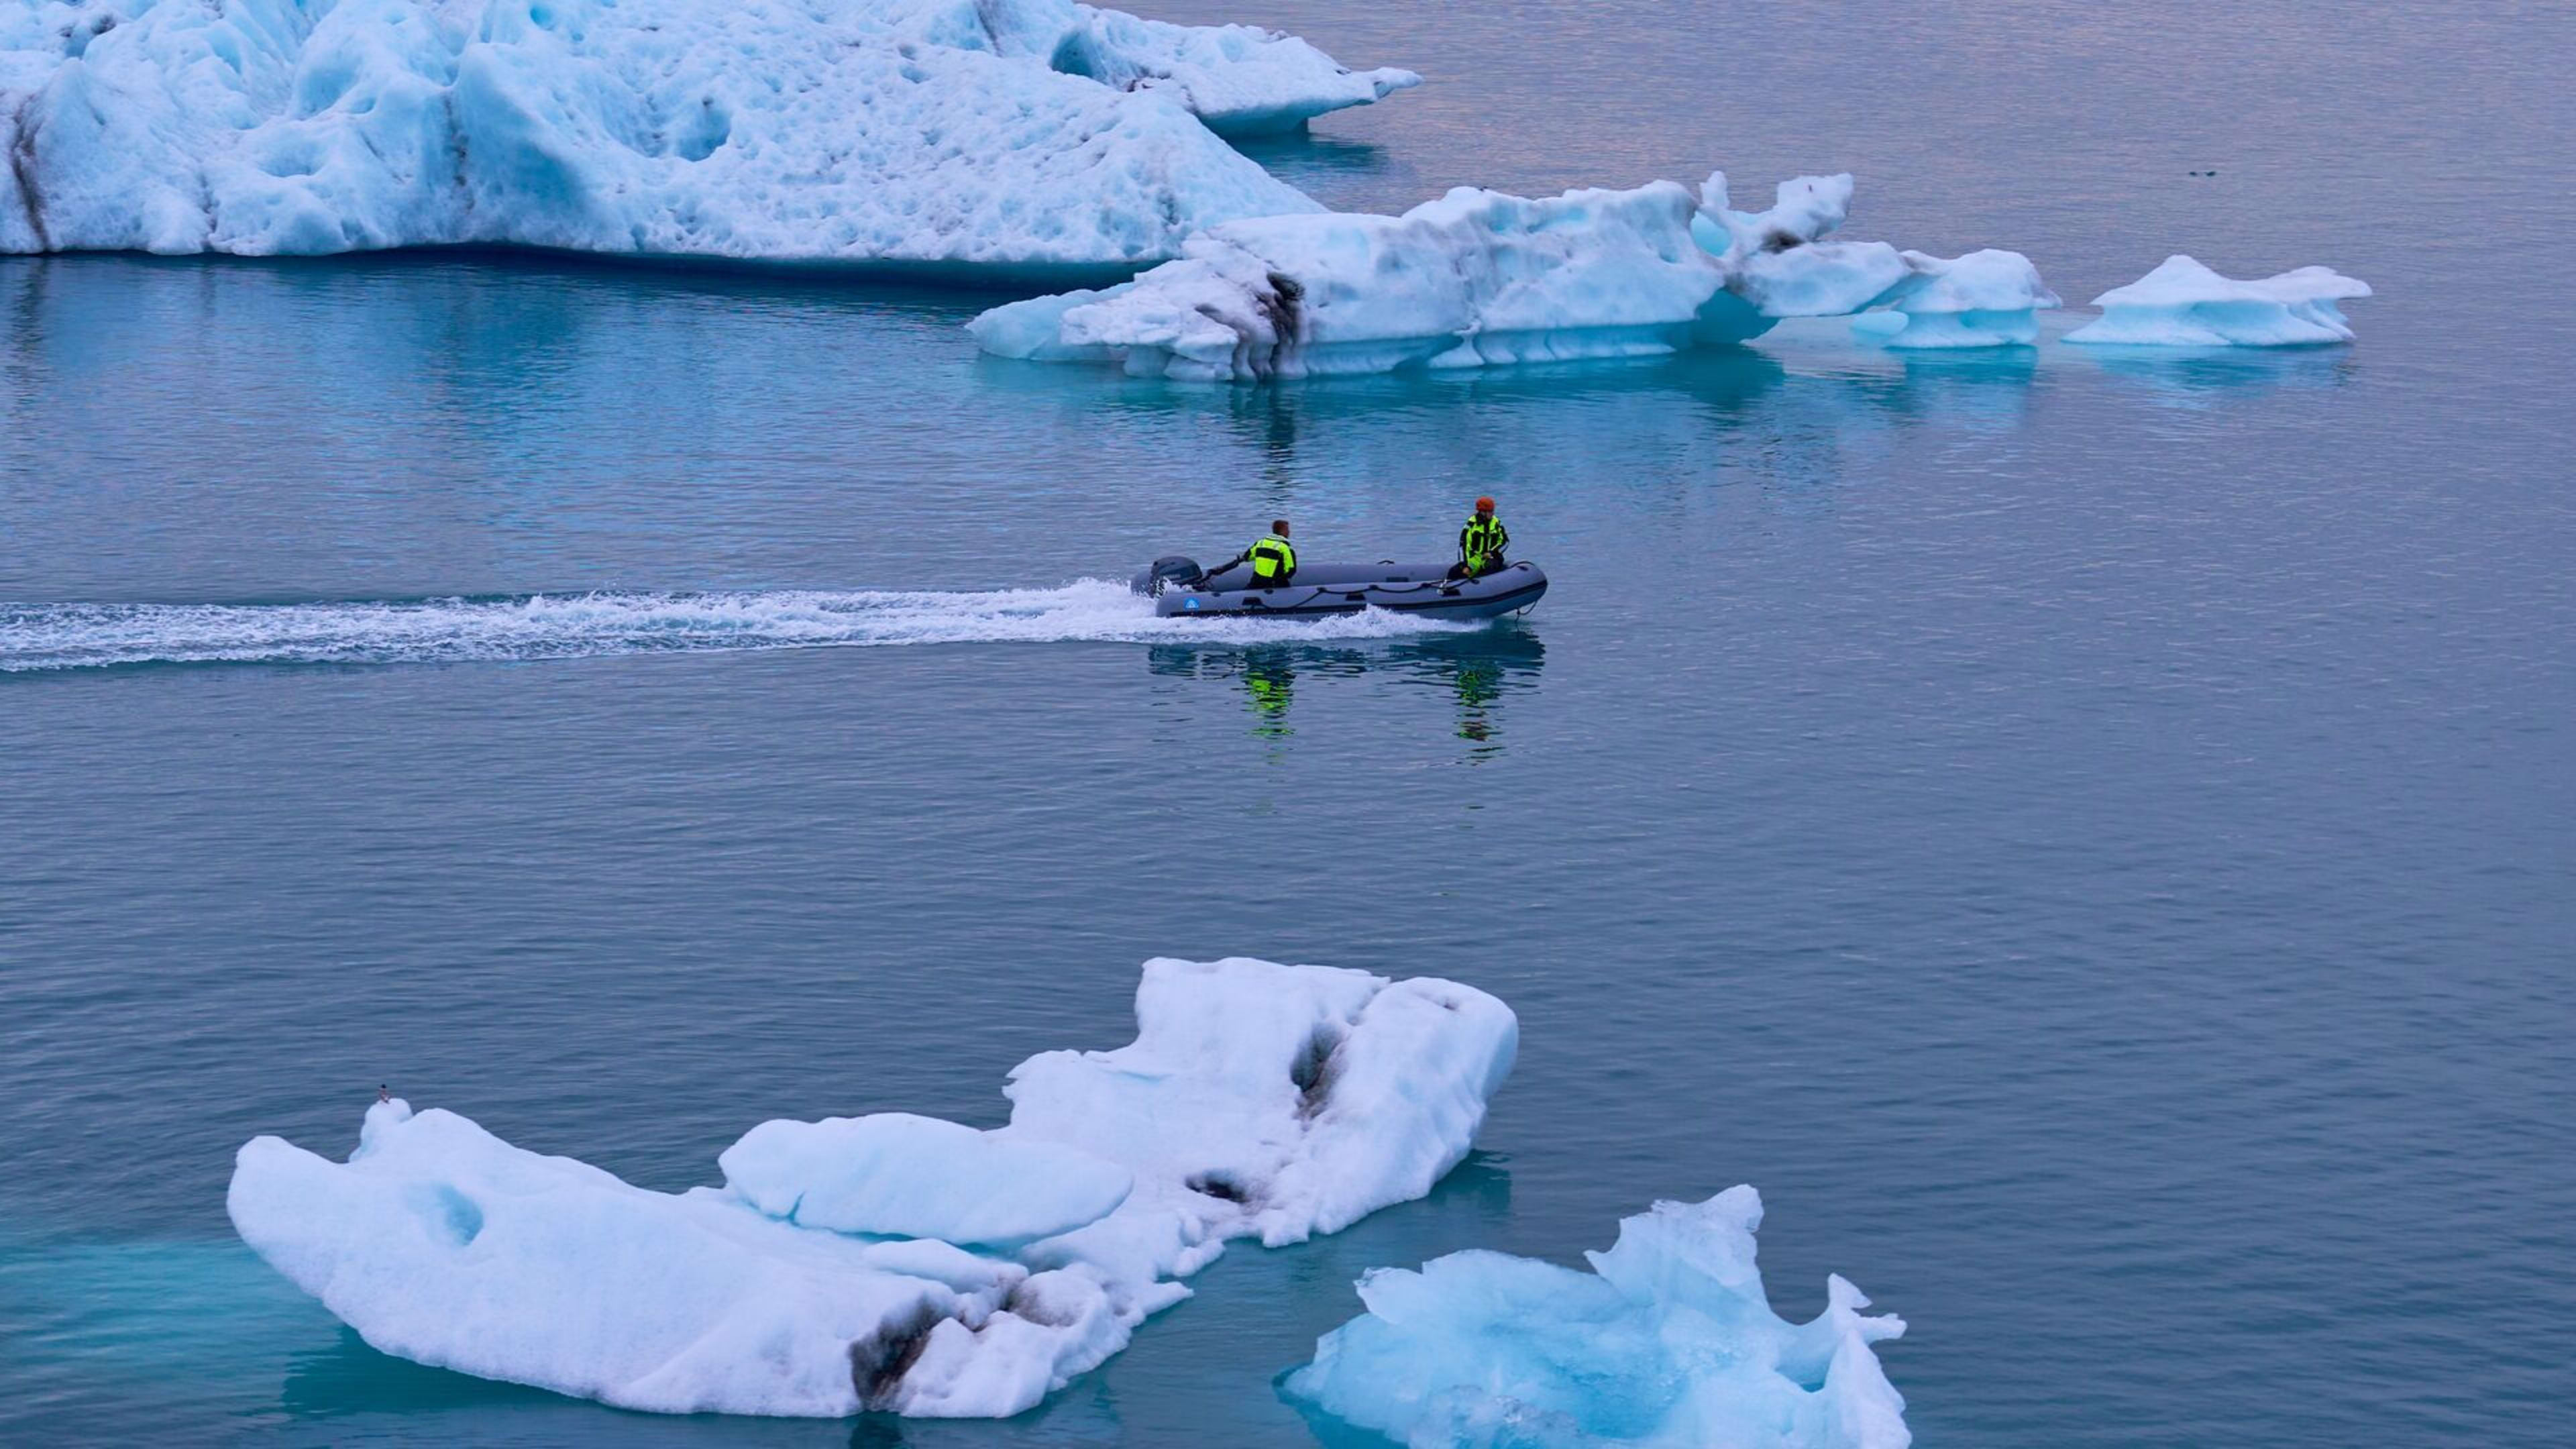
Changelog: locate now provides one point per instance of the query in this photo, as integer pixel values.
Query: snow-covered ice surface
(2184, 304)
(1030, 134)
(576, 626)
(1669, 1342)
(1478, 277)
(863, 1175)
(830, 1274)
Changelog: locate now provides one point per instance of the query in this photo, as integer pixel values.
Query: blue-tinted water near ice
(2087, 836)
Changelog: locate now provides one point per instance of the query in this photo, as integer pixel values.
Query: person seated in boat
(1273, 559)
(1481, 544)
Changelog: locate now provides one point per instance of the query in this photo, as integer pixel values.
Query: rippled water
(2087, 835)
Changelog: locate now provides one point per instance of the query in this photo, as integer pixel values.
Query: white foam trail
(79, 636)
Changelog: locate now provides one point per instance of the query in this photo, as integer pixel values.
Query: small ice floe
(894, 1262)
(2184, 304)
(1987, 298)
(1240, 80)
(1479, 277)
(1668, 1341)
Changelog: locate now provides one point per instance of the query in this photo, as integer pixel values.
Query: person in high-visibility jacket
(1273, 559)
(1481, 544)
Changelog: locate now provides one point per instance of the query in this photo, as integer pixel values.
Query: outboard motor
(1168, 570)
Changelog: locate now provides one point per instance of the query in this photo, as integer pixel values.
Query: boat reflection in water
(1478, 669)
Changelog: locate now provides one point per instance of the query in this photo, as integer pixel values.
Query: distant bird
(384, 1092)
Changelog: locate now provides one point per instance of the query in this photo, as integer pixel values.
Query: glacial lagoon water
(2086, 834)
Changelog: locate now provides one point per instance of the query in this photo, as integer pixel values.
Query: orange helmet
(1484, 505)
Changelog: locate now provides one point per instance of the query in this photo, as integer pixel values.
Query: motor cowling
(1166, 571)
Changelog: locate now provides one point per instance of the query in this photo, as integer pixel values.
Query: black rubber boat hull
(1322, 590)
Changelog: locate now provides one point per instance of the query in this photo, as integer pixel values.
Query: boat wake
(575, 626)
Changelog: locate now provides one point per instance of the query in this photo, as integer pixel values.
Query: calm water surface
(2087, 836)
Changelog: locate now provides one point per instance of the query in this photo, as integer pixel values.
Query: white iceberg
(1984, 299)
(2185, 304)
(1669, 1341)
(896, 1262)
(1240, 79)
(998, 134)
(1474, 278)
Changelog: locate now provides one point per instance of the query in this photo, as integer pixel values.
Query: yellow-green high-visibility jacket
(1273, 560)
(1481, 542)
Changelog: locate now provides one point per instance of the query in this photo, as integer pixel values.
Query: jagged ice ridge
(1479, 277)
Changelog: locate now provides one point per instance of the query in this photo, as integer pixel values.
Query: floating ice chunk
(896, 1174)
(1239, 79)
(1669, 1341)
(2184, 304)
(1778, 259)
(1829, 279)
(1000, 134)
(1033, 329)
(1476, 277)
(1984, 299)
(1473, 277)
(443, 1244)
(1268, 1101)
(1257, 1100)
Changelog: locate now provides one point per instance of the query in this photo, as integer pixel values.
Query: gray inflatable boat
(1181, 589)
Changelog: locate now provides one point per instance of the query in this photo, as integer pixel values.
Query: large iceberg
(1668, 1341)
(2184, 304)
(1003, 134)
(895, 1262)
(1479, 277)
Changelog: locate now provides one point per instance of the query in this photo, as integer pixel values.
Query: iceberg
(1668, 1341)
(1479, 277)
(1009, 135)
(1239, 79)
(895, 1262)
(1984, 299)
(2184, 304)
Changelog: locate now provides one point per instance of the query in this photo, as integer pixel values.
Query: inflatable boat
(1181, 589)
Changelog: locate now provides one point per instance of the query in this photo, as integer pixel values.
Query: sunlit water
(2087, 835)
